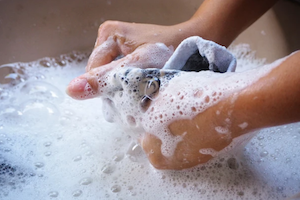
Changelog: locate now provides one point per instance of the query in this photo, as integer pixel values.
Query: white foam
(78, 155)
(200, 90)
(243, 125)
(222, 130)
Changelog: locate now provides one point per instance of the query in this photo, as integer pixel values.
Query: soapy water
(54, 147)
(150, 99)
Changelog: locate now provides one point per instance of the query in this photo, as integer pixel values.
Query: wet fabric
(196, 54)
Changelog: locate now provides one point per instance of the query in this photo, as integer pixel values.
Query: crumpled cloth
(196, 54)
(135, 88)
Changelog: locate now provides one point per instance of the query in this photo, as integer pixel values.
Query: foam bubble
(68, 157)
(146, 89)
(41, 90)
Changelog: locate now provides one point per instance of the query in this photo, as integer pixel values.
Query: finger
(103, 54)
(152, 147)
(148, 56)
(145, 56)
(90, 84)
(94, 82)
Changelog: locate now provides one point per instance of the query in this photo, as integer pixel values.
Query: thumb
(90, 84)
(152, 147)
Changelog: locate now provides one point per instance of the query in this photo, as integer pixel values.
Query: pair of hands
(216, 20)
(135, 45)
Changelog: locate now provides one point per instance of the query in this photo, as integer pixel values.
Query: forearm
(273, 100)
(223, 20)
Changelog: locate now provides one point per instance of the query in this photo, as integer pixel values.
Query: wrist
(203, 27)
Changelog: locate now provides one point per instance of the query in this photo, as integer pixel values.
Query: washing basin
(33, 29)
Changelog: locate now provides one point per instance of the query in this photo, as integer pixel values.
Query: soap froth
(152, 98)
(79, 155)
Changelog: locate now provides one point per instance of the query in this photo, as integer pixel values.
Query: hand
(196, 139)
(92, 83)
(187, 139)
(270, 100)
(116, 39)
(213, 21)
(134, 43)
(177, 141)
(218, 21)
(196, 146)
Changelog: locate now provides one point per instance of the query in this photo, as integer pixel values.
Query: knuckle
(108, 27)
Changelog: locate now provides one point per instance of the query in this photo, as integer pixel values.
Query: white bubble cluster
(54, 147)
(150, 99)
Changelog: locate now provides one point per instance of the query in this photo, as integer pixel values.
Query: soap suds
(243, 125)
(73, 153)
(153, 97)
(221, 130)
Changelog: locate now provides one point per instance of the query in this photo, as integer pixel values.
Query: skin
(272, 100)
(217, 20)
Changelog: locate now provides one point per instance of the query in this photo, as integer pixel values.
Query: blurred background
(32, 29)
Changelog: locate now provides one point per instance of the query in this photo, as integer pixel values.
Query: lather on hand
(271, 98)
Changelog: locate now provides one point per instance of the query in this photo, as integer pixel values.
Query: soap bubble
(108, 169)
(77, 193)
(39, 164)
(45, 63)
(135, 153)
(4, 94)
(53, 194)
(8, 75)
(41, 90)
(118, 157)
(86, 181)
(46, 140)
(116, 188)
(35, 111)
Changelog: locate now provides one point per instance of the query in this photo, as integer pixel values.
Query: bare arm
(272, 100)
(223, 20)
